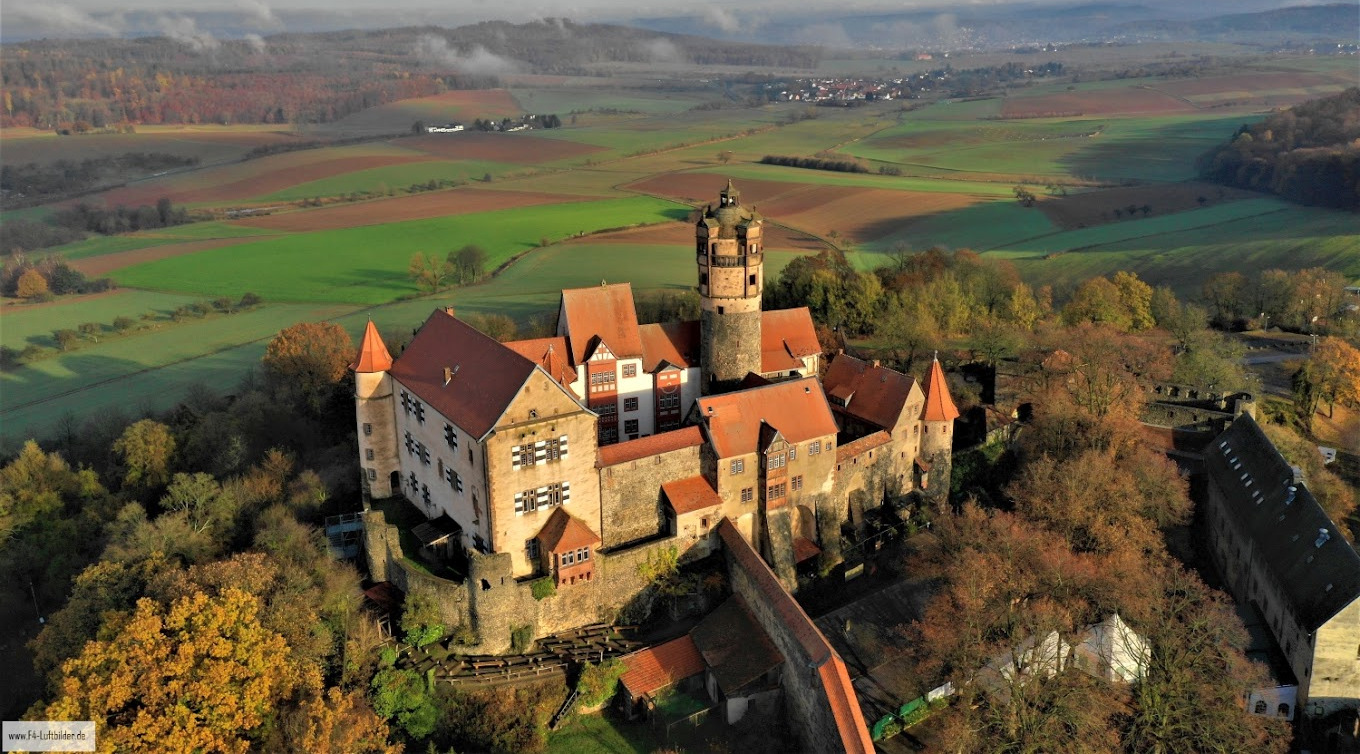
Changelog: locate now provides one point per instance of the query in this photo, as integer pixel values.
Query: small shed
(651, 672)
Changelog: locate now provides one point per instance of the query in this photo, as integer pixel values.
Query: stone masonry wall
(630, 495)
(730, 348)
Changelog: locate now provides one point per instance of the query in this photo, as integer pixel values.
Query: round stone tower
(731, 260)
(375, 413)
(937, 437)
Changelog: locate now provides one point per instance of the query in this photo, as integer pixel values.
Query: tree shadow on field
(1167, 153)
(397, 283)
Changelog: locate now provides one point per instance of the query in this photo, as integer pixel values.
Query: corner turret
(375, 415)
(937, 427)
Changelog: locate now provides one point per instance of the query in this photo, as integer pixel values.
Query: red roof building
(658, 668)
(797, 409)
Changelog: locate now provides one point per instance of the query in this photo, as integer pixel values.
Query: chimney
(448, 376)
(1323, 536)
(448, 310)
(876, 364)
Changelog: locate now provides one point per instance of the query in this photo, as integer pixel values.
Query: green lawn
(24, 325)
(582, 98)
(830, 178)
(368, 265)
(392, 177)
(979, 227)
(96, 245)
(597, 734)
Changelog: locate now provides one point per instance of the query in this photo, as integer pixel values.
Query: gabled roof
(550, 353)
(786, 336)
(1320, 575)
(939, 406)
(605, 312)
(564, 531)
(873, 393)
(689, 495)
(373, 355)
(632, 450)
(656, 668)
(734, 645)
(797, 409)
(675, 343)
(485, 375)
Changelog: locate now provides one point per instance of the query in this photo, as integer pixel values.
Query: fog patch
(478, 61)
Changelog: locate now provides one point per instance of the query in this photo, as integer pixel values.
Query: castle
(573, 458)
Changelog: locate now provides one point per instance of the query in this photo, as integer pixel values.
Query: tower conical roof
(373, 355)
(939, 405)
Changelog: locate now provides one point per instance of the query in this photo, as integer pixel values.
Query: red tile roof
(804, 549)
(797, 409)
(831, 672)
(632, 450)
(373, 355)
(735, 646)
(872, 393)
(653, 669)
(606, 312)
(673, 342)
(565, 532)
(550, 353)
(786, 336)
(485, 375)
(862, 445)
(689, 495)
(939, 406)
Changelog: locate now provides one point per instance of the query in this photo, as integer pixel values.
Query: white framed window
(738, 466)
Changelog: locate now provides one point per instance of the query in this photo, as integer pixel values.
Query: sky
(24, 19)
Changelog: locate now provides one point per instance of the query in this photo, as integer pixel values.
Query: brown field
(862, 214)
(1097, 207)
(266, 180)
(517, 148)
(459, 201)
(777, 238)
(1249, 82)
(397, 117)
(1130, 101)
(205, 143)
(102, 265)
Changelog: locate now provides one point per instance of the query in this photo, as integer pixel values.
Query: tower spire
(373, 355)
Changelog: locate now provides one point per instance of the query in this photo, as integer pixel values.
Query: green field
(368, 265)
(580, 99)
(392, 177)
(33, 325)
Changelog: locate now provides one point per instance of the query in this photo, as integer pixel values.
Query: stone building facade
(563, 459)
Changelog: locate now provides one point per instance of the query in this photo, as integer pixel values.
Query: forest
(1309, 154)
(317, 78)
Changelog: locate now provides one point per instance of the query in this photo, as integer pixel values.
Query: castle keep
(574, 458)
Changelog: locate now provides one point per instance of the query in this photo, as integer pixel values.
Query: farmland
(563, 209)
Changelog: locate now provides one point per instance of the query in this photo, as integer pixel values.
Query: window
(425, 493)
(372, 475)
(915, 430)
(796, 483)
(582, 555)
(368, 429)
(410, 444)
(457, 481)
(630, 404)
(451, 436)
(747, 494)
(738, 466)
(603, 381)
(1260, 707)
(630, 370)
(424, 453)
(609, 434)
(567, 558)
(555, 449)
(630, 426)
(1283, 710)
(406, 402)
(776, 491)
(606, 409)
(753, 280)
(531, 549)
(793, 452)
(420, 411)
(668, 402)
(522, 455)
(775, 461)
(543, 497)
(814, 447)
(368, 454)
(414, 483)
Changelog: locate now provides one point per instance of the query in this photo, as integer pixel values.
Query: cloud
(64, 20)
(827, 35)
(479, 61)
(256, 43)
(721, 19)
(662, 50)
(184, 30)
(259, 14)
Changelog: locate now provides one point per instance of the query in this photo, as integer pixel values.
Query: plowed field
(518, 148)
(682, 234)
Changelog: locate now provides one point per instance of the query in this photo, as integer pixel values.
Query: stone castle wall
(630, 495)
(729, 347)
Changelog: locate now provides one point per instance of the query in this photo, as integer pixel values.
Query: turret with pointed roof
(937, 426)
(939, 405)
(374, 413)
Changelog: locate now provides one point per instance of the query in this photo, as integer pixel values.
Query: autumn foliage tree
(202, 673)
(310, 358)
(32, 285)
(146, 449)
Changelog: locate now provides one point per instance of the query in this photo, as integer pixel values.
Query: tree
(468, 263)
(1097, 300)
(65, 338)
(337, 723)
(202, 673)
(1335, 371)
(201, 500)
(146, 449)
(429, 273)
(1225, 292)
(420, 620)
(402, 697)
(725, 156)
(311, 358)
(31, 285)
(1136, 297)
